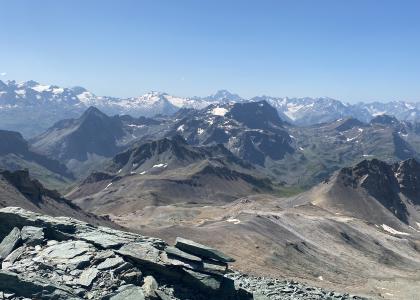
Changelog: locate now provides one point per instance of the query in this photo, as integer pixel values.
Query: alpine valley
(218, 197)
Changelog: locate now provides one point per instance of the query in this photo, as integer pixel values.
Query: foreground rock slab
(62, 258)
(201, 250)
(9, 243)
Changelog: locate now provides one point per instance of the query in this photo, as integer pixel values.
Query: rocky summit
(47, 257)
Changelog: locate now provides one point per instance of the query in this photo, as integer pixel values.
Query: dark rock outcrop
(72, 260)
(201, 250)
(75, 260)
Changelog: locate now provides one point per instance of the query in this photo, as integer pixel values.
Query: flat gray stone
(172, 251)
(103, 239)
(67, 250)
(79, 262)
(70, 254)
(214, 266)
(110, 263)
(87, 277)
(145, 255)
(201, 250)
(32, 235)
(128, 292)
(101, 256)
(12, 257)
(9, 243)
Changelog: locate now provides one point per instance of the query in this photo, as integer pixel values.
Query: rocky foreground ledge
(62, 258)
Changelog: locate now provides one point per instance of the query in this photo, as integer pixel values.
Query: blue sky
(359, 50)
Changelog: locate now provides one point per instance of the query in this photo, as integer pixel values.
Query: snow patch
(57, 91)
(219, 111)
(234, 221)
(160, 166)
(135, 126)
(392, 230)
(41, 88)
(108, 186)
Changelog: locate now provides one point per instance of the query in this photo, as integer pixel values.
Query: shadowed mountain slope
(168, 171)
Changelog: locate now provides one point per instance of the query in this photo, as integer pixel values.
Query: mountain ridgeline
(30, 107)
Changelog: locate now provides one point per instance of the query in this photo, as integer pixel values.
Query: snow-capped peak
(223, 96)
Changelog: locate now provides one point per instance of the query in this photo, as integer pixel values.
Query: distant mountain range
(252, 131)
(31, 107)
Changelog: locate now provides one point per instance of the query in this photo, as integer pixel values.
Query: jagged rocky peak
(395, 186)
(93, 112)
(2, 85)
(141, 152)
(167, 153)
(384, 120)
(224, 96)
(78, 90)
(29, 84)
(348, 123)
(373, 171)
(256, 115)
(408, 175)
(62, 258)
(12, 142)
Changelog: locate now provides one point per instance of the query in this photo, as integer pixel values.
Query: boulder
(9, 243)
(32, 235)
(110, 263)
(132, 277)
(201, 250)
(87, 277)
(149, 287)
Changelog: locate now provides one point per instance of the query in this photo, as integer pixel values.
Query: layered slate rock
(62, 258)
(9, 243)
(32, 235)
(202, 250)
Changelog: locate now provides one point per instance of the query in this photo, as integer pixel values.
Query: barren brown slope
(346, 234)
(20, 190)
(306, 243)
(373, 191)
(168, 171)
